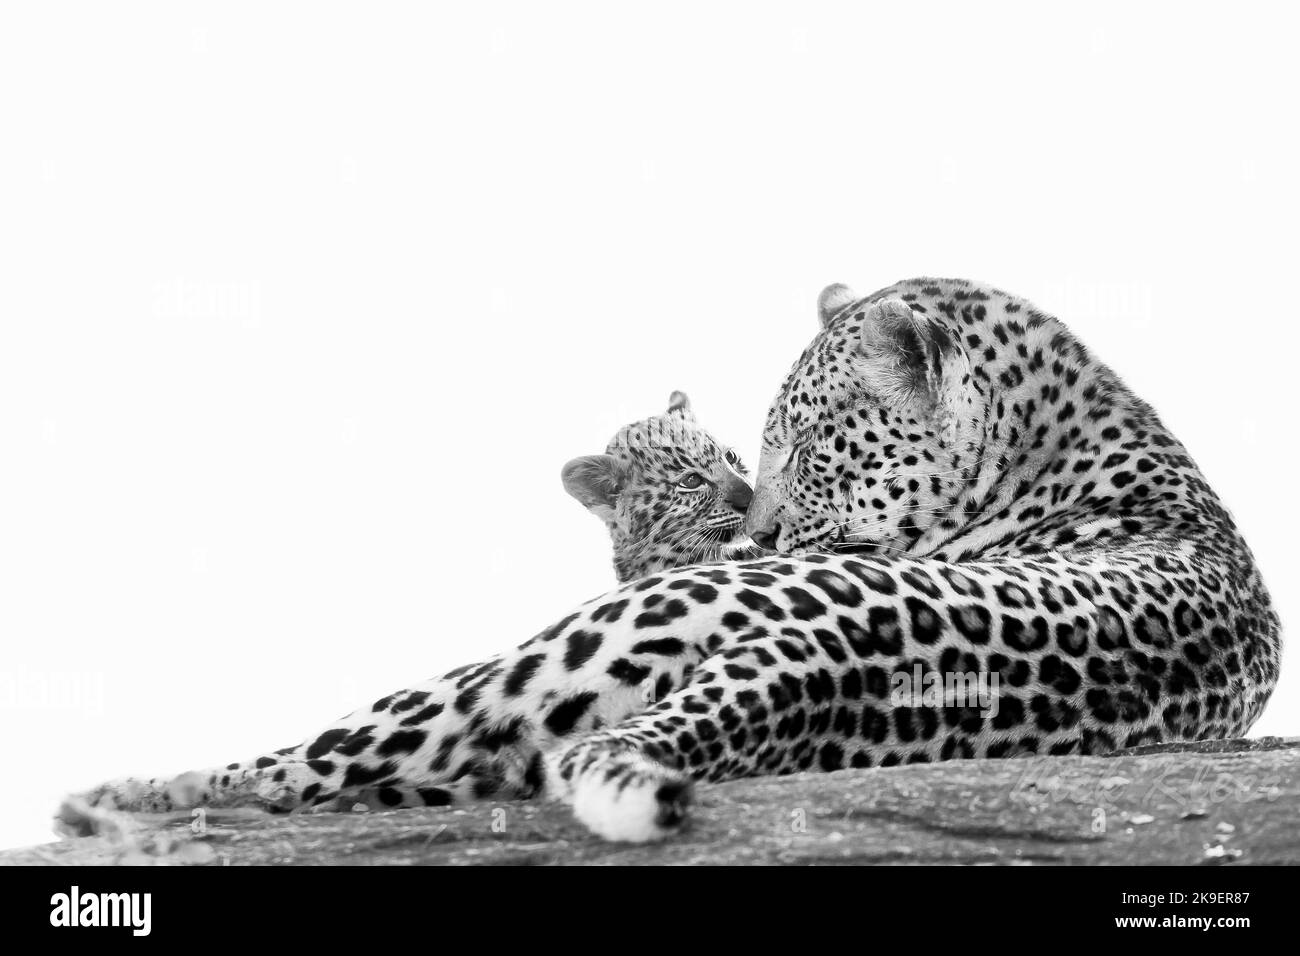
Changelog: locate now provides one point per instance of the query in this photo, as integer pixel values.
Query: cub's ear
(905, 352)
(680, 405)
(595, 481)
(832, 300)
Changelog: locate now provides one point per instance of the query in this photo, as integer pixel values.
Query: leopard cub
(669, 492)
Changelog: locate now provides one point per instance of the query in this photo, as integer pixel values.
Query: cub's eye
(691, 482)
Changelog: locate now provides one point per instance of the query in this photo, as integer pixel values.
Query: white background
(304, 308)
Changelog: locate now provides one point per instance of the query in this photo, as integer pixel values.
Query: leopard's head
(669, 492)
(867, 442)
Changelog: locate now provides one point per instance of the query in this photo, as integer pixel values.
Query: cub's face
(670, 494)
(864, 444)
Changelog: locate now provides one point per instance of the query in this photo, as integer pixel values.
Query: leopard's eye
(691, 481)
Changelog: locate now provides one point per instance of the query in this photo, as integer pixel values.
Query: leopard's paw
(77, 817)
(631, 799)
(103, 810)
(134, 795)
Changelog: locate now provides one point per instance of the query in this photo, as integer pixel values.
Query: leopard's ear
(680, 405)
(906, 353)
(832, 300)
(594, 480)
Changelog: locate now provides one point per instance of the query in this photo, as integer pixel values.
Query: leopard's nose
(765, 538)
(763, 519)
(738, 494)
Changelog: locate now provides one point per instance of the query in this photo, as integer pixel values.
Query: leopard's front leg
(741, 714)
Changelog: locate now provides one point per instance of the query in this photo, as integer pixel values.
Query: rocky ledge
(1211, 803)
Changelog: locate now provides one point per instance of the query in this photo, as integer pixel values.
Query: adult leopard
(994, 500)
(669, 493)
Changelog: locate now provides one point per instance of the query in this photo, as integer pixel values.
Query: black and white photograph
(713, 434)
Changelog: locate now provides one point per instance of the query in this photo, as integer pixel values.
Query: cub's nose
(765, 538)
(738, 494)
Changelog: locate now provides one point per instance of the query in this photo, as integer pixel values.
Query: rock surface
(1210, 803)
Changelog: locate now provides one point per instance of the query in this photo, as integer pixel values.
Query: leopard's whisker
(851, 545)
(852, 529)
(940, 474)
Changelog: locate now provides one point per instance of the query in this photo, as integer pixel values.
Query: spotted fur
(669, 493)
(955, 485)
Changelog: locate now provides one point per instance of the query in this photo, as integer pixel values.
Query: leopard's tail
(423, 746)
